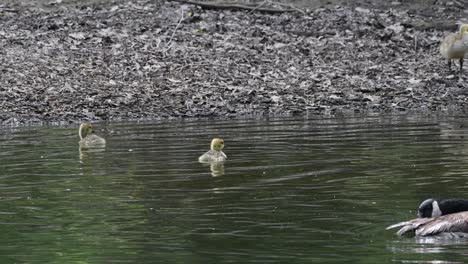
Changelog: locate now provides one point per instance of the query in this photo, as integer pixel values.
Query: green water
(294, 190)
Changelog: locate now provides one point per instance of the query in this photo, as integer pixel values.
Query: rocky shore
(126, 60)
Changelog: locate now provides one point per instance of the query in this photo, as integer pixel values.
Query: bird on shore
(446, 219)
(455, 45)
(215, 154)
(87, 137)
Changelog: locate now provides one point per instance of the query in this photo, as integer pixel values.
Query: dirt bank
(146, 59)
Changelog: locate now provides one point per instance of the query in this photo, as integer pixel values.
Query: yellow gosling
(215, 154)
(87, 137)
(455, 45)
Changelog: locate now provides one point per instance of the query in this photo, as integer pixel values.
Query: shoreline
(143, 60)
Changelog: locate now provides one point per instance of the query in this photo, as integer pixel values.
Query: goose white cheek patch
(435, 209)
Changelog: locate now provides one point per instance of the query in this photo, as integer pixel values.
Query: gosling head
(217, 144)
(463, 28)
(85, 130)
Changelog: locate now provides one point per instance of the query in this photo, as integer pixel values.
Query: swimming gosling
(215, 154)
(455, 45)
(87, 137)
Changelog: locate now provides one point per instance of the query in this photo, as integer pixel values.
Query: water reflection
(429, 250)
(89, 153)
(441, 242)
(308, 190)
(217, 169)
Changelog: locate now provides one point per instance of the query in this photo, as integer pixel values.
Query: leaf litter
(152, 59)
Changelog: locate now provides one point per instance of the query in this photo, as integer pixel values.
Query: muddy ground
(124, 60)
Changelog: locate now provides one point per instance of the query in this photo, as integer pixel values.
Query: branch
(222, 6)
(437, 25)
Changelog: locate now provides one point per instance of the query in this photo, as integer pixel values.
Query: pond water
(294, 190)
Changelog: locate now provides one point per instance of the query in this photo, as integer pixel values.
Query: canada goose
(215, 154)
(454, 46)
(433, 208)
(445, 226)
(87, 137)
(446, 218)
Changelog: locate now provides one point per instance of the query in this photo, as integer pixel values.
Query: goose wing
(451, 223)
(410, 226)
(457, 222)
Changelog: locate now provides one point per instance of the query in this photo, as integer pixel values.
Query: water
(294, 190)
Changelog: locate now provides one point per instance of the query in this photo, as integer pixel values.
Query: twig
(288, 5)
(458, 4)
(173, 33)
(260, 5)
(8, 10)
(415, 42)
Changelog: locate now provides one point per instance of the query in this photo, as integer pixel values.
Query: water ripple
(293, 189)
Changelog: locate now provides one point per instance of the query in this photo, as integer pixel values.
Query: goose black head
(433, 208)
(429, 208)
